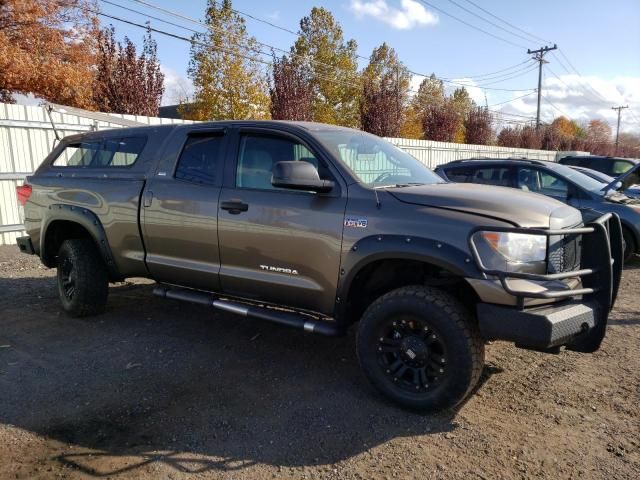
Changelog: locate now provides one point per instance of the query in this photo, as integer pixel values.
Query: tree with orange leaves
(47, 49)
(598, 139)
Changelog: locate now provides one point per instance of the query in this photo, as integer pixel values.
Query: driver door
(277, 245)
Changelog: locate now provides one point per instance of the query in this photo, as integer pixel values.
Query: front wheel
(420, 348)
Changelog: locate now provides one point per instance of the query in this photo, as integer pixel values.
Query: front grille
(564, 254)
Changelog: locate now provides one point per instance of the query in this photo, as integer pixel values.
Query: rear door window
(541, 181)
(461, 175)
(495, 175)
(200, 158)
(572, 161)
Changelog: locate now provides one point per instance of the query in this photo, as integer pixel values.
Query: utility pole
(539, 56)
(619, 109)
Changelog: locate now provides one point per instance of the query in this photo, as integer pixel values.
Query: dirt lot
(159, 389)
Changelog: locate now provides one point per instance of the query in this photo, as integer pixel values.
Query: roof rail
(521, 159)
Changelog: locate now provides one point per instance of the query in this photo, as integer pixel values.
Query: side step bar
(289, 319)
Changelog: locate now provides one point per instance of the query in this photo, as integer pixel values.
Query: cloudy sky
(485, 46)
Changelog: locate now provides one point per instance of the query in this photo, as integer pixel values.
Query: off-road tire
(81, 268)
(448, 321)
(630, 246)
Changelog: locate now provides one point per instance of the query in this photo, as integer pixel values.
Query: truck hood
(519, 208)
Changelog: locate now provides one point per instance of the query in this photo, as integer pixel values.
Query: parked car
(612, 166)
(561, 182)
(319, 227)
(631, 192)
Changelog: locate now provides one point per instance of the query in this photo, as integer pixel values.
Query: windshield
(374, 161)
(580, 179)
(602, 177)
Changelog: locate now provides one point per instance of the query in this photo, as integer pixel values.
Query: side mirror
(299, 176)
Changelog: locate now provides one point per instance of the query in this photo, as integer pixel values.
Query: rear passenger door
(278, 245)
(180, 211)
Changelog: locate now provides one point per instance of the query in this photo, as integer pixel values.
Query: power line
(489, 21)
(284, 29)
(554, 106)
(184, 17)
(470, 24)
(476, 77)
(529, 69)
(209, 27)
(515, 27)
(193, 41)
(513, 99)
(580, 77)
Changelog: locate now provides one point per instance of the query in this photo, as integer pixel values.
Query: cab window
(259, 153)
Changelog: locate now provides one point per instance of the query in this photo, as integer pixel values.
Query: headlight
(512, 252)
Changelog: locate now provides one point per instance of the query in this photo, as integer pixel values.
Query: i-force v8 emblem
(353, 222)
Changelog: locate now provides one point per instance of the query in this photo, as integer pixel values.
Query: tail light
(24, 192)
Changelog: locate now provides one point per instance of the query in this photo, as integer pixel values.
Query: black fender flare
(87, 220)
(399, 247)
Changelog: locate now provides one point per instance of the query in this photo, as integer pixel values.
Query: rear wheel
(420, 348)
(83, 281)
(630, 246)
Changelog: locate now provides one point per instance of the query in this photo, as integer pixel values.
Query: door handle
(234, 206)
(147, 199)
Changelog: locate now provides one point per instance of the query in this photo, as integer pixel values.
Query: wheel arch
(63, 222)
(379, 264)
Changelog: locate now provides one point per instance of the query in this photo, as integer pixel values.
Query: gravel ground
(159, 389)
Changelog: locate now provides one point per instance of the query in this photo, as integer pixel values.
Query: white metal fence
(27, 137)
(436, 153)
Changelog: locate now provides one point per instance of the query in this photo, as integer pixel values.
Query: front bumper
(540, 328)
(578, 318)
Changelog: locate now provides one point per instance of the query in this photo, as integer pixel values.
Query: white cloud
(410, 14)
(583, 99)
(177, 87)
(476, 93)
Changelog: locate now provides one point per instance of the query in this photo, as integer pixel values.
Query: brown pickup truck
(320, 227)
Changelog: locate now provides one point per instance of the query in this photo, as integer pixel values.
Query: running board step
(289, 319)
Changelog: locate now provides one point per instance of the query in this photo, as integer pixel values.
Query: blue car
(592, 197)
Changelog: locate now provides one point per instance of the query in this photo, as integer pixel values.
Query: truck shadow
(155, 381)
